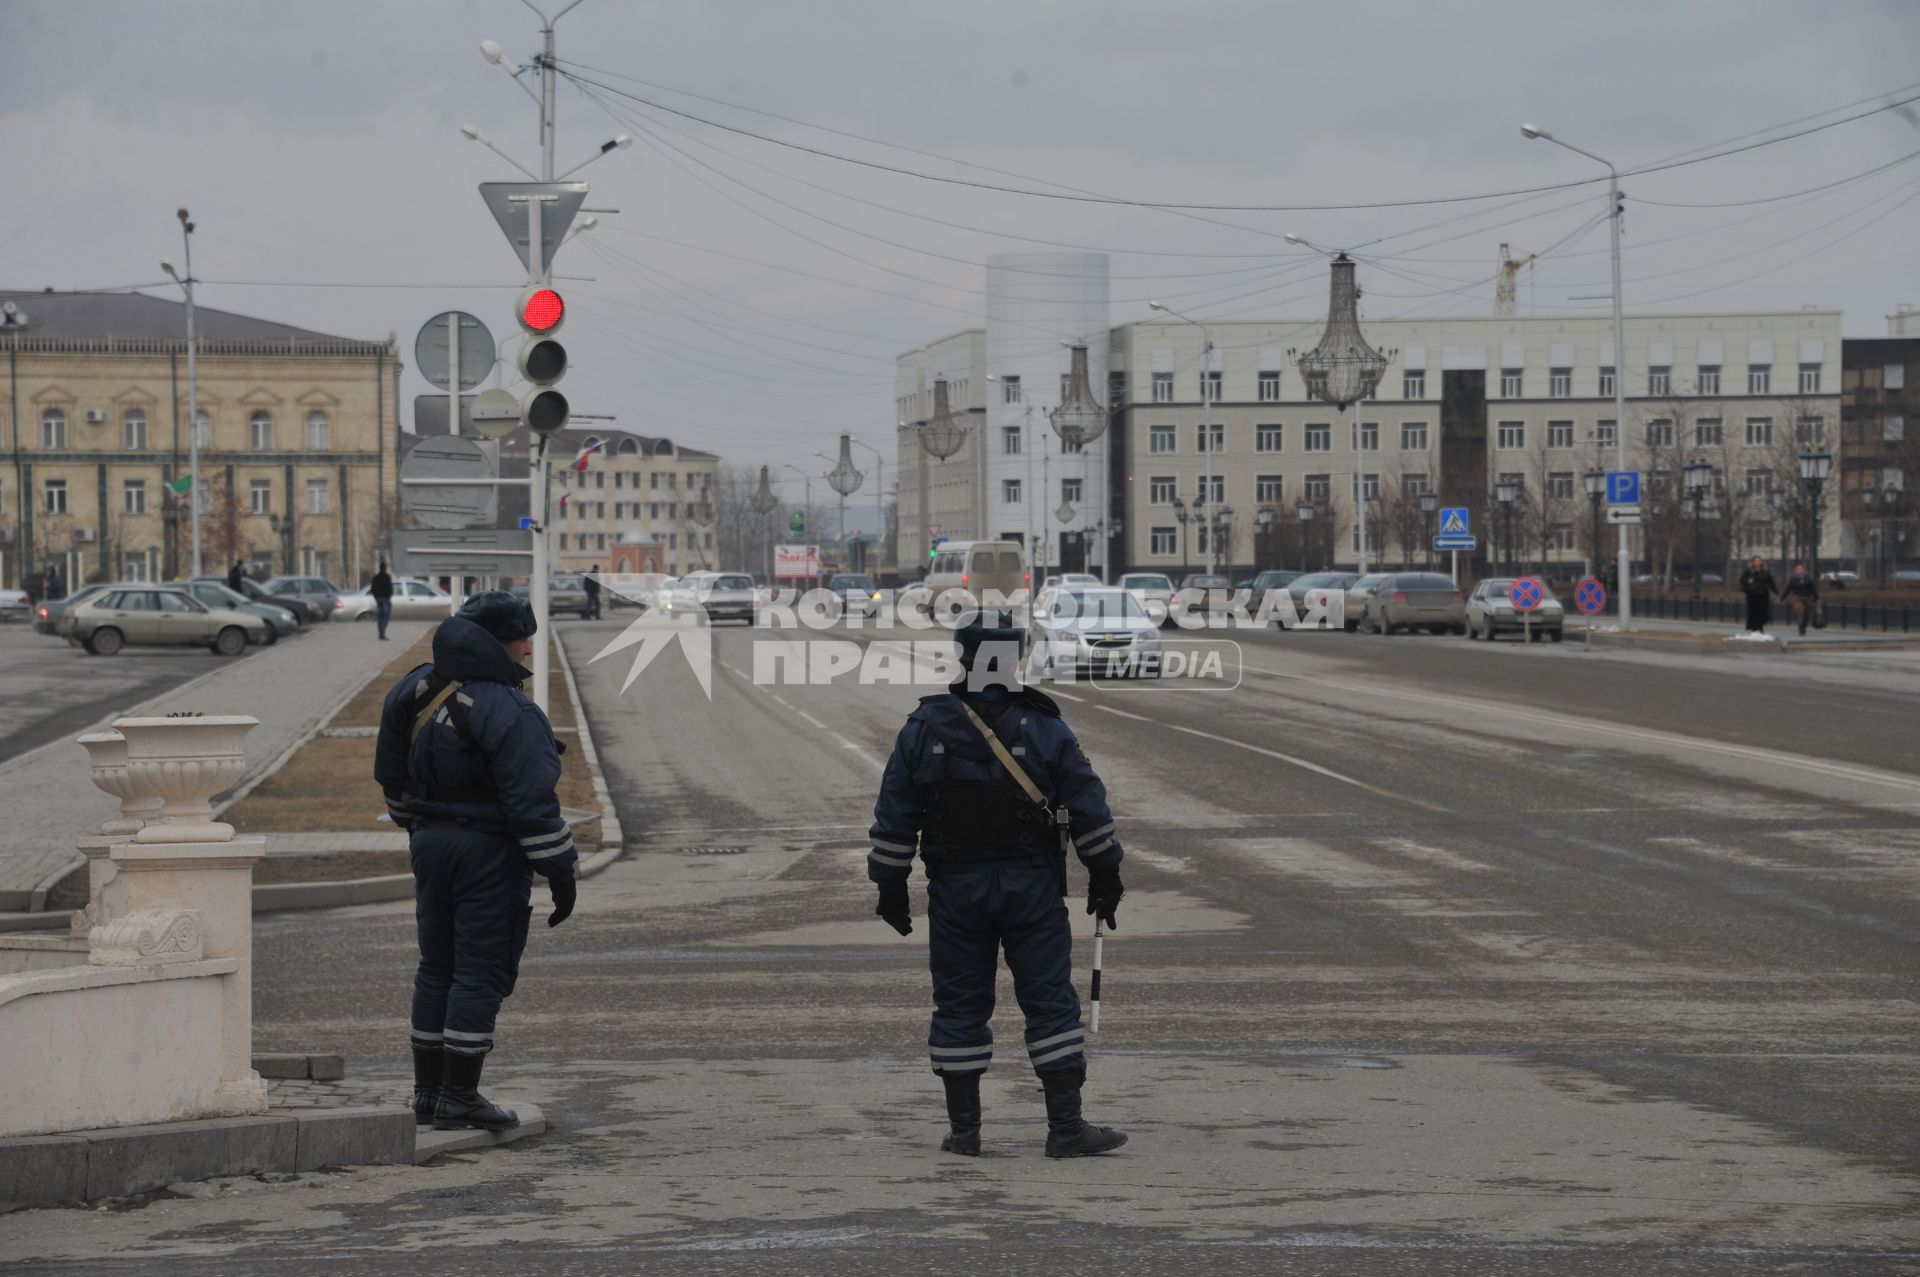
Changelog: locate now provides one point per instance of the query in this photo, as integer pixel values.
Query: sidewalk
(290, 687)
(1832, 636)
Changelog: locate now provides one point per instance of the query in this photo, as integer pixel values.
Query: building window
(1319, 439)
(1413, 436)
(133, 496)
(1010, 491)
(653, 480)
(1560, 484)
(1560, 383)
(1163, 387)
(1412, 485)
(1759, 483)
(1366, 436)
(1559, 434)
(203, 424)
(1318, 488)
(1510, 383)
(53, 429)
(1160, 439)
(1560, 537)
(1760, 379)
(1606, 383)
(260, 496)
(319, 432)
(133, 429)
(1893, 428)
(1270, 488)
(1217, 430)
(260, 431)
(1366, 487)
(1162, 542)
(1604, 433)
(1810, 431)
(133, 567)
(1210, 387)
(1269, 387)
(1759, 432)
(56, 496)
(1269, 438)
(1116, 391)
(1809, 379)
(1513, 434)
(1709, 382)
(563, 540)
(1413, 385)
(316, 496)
(1009, 390)
(1070, 491)
(1162, 489)
(1707, 433)
(1659, 380)
(1010, 440)
(1660, 433)
(1219, 485)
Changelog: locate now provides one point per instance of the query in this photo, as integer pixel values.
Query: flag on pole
(580, 462)
(181, 486)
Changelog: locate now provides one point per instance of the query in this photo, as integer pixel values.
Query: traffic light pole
(537, 493)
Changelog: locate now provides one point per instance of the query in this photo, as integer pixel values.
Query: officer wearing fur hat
(994, 846)
(470, 767)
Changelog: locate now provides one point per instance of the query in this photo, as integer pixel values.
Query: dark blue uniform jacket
(499, 775)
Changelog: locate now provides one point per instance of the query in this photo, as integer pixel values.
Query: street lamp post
(1815, 466)
(1206, 398)
(807, 478)
(879, 497)
(1181, 515)
(1429, 502)
(1505, 491)
(1596, 481)
(1615, 211)
(1699, 477)
(1305, 511)
(1223, 531)
(1263, 539)
(186, 283)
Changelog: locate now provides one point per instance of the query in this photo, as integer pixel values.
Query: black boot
(1068, 1134)
(429, 1067)
(461, 1106)
(963, 1114)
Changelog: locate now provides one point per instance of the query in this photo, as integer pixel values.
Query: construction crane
(1503, 292)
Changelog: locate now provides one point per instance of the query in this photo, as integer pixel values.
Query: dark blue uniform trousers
(975, 911)
(471, 901)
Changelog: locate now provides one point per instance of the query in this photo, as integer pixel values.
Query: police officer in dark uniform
(996, 872)
(469, 768)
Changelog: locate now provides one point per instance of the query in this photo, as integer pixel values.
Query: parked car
(1093, 629)
(859, 596)
(46, 614)
(15, 605)
(1196, 593)
(1155, 592)
(566, 592)
(1316, 589)
(319, 596)
(1271, 579)
(1072, 579)
(1357, 595)
(157, 615)
(279, 621)
(1414, 601)
(413, 600)
(1907, 576)
(257, 593)
(1489, 613)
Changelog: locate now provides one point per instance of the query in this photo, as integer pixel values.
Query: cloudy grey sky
(318, 143)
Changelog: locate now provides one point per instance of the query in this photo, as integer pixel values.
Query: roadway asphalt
(1436, 958)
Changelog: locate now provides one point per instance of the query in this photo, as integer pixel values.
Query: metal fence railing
(1884, 617)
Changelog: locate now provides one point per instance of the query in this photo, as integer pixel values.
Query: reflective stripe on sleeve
(1098, 847)
(905, 849)
(1078, 1048)
(896, 862)
(537, 840)
(1092, 834)
(550, 852)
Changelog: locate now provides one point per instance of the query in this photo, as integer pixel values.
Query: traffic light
(543, 361)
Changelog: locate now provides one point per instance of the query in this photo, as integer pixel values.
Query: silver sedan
(1490, 613)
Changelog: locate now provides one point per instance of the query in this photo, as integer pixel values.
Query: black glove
(1103, 896)
(565, 892)
(894, 909)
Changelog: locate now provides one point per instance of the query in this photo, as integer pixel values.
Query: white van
(976, 567)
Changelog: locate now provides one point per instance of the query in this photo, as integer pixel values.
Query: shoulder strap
(1007, 760)
(420, 719)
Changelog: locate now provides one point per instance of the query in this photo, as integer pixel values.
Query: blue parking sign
(1623, 487)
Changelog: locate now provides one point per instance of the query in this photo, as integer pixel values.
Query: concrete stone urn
(183, 761)
(107, 752)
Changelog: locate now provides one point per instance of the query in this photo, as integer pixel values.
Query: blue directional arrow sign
(1453, 521)
(1623, 487)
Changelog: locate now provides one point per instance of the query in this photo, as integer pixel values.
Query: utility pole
(193, 389)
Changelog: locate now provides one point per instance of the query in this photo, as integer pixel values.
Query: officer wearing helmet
(469, 768)
(996, 871)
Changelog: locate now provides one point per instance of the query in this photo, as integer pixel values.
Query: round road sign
(473, 350)
(1590, 596)
(496, 413)
(1526, 594)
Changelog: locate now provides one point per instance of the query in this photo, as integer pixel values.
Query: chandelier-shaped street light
(942, 436)
(1080, 419)
(845, 480)
(1343, 369)
(762, 503)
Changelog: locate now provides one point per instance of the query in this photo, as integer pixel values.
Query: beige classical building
(298, 436)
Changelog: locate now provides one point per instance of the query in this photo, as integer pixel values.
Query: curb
(610, 832)
(1711, 645)
(429, 1143)
(285, 897)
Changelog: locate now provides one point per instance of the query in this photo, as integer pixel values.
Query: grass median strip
(327, 787)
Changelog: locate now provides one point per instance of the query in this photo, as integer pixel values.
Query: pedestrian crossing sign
(1453, 522)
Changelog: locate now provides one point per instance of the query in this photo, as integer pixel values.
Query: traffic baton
(1099, 942)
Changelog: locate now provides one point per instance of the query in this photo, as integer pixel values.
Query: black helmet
(507, 617)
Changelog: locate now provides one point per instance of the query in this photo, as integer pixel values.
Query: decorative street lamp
(1305, 511)
(1504, 492)
(1182, 514)
(1429, 502)
(942, 436)
(1263, 538)
(1223, 533)
(1596, 481)
(844, 479)
(1343, 369)
(1698, 474)
(1814, 469)
(1079, 419)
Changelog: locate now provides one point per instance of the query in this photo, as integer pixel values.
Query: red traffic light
(541, 310)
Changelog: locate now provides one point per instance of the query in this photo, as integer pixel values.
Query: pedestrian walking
(988, 784)
(591, 584)
(1802, 593)
(1760, 588)
(235, 575)
(382, 591)
(50, 584)
(469, 767)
